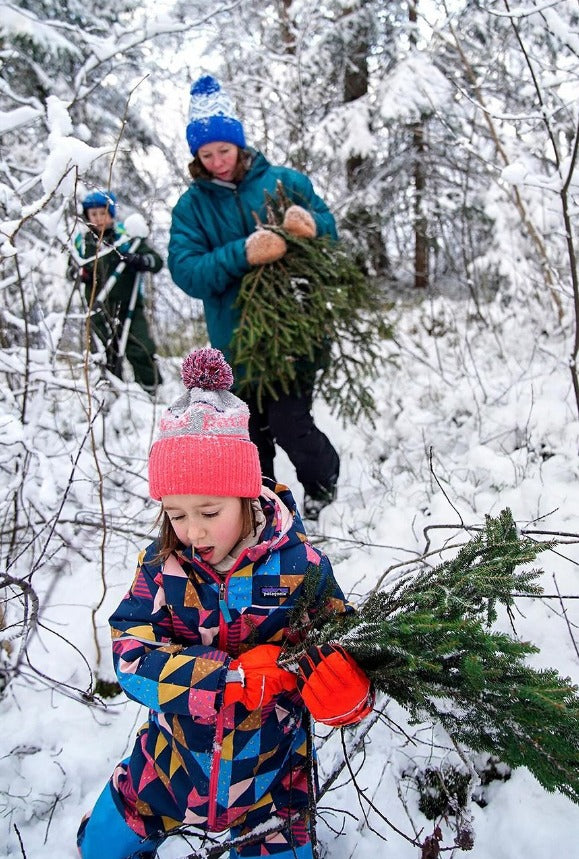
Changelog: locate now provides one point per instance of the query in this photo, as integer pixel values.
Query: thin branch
(564, 611)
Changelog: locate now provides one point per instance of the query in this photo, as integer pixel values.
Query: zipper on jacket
(224, 613)
(246, 226)
(214, 773)
(223, 607)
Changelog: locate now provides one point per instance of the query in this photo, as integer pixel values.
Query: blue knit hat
(211, 118)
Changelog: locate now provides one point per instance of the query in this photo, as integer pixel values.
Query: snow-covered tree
(70, 122)
(459, 119)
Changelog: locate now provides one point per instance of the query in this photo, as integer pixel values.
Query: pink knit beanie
(203, 445)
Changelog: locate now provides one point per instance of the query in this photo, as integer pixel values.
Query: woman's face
(219, 159)
(213, 525)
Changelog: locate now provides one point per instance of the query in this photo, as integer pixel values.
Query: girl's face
(219, 159)
(213, 525)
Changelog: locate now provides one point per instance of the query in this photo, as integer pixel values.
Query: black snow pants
(288, 422)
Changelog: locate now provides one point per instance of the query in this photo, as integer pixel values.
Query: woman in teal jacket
(215, 241)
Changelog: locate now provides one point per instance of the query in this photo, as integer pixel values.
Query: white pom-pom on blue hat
(211, 116)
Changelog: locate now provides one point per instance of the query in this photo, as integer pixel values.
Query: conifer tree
(428, 644)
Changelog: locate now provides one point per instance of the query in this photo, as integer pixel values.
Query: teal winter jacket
(210, 224)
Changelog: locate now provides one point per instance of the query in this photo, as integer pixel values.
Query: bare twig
(564, 611)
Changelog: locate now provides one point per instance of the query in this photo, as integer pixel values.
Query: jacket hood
(259, 165)
(283, 528)
(283, 524)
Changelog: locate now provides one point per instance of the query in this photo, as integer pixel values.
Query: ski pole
(127, 323)
(114, 276)
(136, 227)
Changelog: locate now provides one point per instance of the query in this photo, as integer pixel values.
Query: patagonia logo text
(273, 591)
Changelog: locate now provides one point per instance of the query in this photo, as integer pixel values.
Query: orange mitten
(299, 222)
(264, 246)
(333, 686)
(261, 678)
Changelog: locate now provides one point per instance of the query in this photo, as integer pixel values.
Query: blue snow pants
(105, 834)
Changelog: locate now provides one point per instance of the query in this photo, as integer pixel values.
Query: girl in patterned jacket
(197, 640)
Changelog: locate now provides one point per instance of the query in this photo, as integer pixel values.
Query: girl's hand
(261, 678)
(333, 686)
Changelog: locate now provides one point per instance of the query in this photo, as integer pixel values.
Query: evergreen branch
(313, 309)
(427, 643)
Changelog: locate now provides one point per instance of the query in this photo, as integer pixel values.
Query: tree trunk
(360, 220)
(420, 219)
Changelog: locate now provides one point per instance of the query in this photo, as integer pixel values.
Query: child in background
(197, 639)
(104, 240)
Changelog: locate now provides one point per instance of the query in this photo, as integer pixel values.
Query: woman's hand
(264, 246)
(299, 222)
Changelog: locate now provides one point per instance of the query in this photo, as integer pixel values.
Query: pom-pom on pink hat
(203, 445)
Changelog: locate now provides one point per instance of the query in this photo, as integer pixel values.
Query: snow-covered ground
(473, 417)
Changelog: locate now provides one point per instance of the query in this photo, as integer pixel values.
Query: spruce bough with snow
(428, 644)
(309, 308)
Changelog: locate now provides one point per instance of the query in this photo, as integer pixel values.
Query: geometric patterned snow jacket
(197, 761)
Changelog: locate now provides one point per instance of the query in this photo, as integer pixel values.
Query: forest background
(444, 137)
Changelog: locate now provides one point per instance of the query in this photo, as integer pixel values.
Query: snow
(514, 173)
(25, 24)
(11, 119)
(415, 88)
(65, 160)
(473, 416)
(459, 434)
(349, 126)
(357, 138)
(136, 226)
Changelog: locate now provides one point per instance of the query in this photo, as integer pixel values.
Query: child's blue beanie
(211, 118)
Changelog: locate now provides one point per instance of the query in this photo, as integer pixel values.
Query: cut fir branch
(312, 309)
(427, 643)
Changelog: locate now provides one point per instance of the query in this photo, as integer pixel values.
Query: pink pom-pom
(207, 369)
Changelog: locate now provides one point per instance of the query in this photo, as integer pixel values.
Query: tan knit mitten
(264, 246)
(299, 222)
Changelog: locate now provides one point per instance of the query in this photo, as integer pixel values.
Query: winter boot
(314, 503)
